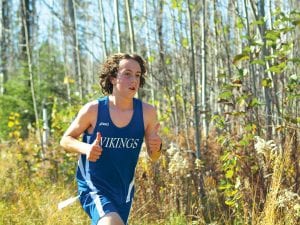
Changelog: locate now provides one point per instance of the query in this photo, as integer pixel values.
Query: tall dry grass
(166, 192)
(282, 205)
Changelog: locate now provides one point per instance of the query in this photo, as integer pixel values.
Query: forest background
(223, 74)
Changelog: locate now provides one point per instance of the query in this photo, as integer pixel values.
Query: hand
(154, 143)
(95, 150)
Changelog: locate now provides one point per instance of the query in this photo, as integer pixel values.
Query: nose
(134, 78)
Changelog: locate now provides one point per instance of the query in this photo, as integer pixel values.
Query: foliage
(26, 179)
(18, 96)
(22, 105)
(247, 179)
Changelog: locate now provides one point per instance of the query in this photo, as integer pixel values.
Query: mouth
(132, 88)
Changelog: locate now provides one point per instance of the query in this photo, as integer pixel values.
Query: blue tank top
(113, 173)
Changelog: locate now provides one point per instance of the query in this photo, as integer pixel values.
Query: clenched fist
(95, 150)
(154, 143)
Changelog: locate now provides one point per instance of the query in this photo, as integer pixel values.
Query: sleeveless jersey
(113, 173)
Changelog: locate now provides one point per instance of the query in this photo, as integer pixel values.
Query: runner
(113, 129)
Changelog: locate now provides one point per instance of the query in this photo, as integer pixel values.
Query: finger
(97, 152)
(155, 140)
(156, 128)
(98, 138)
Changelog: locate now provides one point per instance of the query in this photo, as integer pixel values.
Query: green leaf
(151, 59)
(168, 61)
(243, 142)
(296, 22)
(295, 60)
(254, 102)
(258, 22)
(240, 57)
(229, 174)
(278, 68)
(266, 82)
(272, 35)
(225, 95)
(230, 202)
(225, 186)
(231, 193)
(176, 4)
(258, 61)
(185, 42)
(239, 23)
(247, 50)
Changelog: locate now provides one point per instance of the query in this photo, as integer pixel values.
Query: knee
(111, 219)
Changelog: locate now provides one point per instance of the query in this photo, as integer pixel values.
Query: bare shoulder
(150, 117)
(85, 119)
(89, 109)
(149, 110)
(87, 115)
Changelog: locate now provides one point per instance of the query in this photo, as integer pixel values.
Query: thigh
(97, 206)
(112, 218)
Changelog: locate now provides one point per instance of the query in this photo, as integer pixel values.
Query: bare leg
(111, 219)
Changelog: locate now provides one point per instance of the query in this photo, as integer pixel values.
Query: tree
(75, 44)
(130, 27)
(5, 42)
(116, 11)
(103, 30)
(30, 71)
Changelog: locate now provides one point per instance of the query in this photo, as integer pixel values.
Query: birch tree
(203, 74)
(5, 42)
(30, 71)
(117, 19)
(103, 30)
(76, 52)
(130, 27)
(194, 83)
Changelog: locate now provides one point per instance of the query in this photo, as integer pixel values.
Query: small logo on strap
(103, 124)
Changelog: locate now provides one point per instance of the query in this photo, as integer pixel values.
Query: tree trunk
(166, 80)
(117, 19)
(203, 77)
(196, 108)
(267, 75)
(252, 70)
(31, 79)
(194, 83)
(76, 53)
(181, 92)
(148, 50)
(5, 42)
(130, 27)
(67, 69)
(102, 20)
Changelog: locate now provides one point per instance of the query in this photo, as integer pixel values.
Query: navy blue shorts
(97, 205)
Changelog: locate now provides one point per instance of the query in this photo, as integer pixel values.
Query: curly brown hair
(110, 69)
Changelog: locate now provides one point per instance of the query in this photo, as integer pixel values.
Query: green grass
(31, 196)
(33, 200)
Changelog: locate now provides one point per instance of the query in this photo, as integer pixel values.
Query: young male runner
(113, 129)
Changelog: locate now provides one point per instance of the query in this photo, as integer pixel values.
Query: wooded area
(223, 74)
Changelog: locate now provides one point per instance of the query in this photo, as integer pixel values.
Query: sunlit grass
(32, 197)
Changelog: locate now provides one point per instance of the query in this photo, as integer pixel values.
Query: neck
(120, 103)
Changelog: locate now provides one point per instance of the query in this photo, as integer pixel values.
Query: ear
(112, 80)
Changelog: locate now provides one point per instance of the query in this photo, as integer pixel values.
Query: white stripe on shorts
(129, 190)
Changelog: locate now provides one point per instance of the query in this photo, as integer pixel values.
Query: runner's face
(128, 77)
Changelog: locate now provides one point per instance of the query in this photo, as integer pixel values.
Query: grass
(31, 196)
(33, 200)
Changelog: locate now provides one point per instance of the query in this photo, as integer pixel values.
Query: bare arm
(83, 121)
(152, 139)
